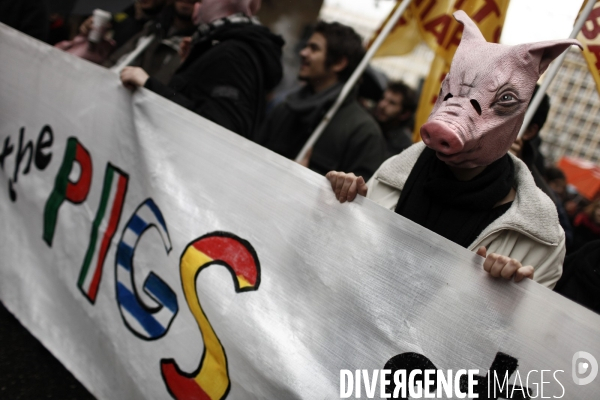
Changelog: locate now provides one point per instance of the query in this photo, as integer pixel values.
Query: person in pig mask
(460, 181)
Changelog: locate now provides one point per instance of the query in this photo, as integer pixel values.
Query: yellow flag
(590, 39)
(442, 33)
(403, 37)
(429, 93)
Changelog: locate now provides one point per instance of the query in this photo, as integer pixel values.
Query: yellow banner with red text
(590, 39)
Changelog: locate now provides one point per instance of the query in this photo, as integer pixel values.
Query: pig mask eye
(448, 96)
(506, 104)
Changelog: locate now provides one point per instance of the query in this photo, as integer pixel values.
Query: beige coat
(528, 232)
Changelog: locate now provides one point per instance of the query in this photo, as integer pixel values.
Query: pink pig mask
(483, 99)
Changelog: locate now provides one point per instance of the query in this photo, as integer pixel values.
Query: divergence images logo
(582, 363)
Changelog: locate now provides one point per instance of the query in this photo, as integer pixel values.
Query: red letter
(591, 34)
(64, 189)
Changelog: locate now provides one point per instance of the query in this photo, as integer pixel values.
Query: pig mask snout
(441, 138)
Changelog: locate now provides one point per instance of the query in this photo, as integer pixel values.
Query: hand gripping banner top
(158, 255)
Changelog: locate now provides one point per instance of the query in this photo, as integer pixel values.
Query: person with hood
(352, 141)
(233, 62)
(161, 58)
(461, 182)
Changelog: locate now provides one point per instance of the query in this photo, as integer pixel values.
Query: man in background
(394, 113)
(352, 141)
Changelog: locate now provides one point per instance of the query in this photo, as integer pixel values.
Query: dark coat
(580, 280)
(28, 16)
(161, 58)
(227, 75)
(125, 25)
(352, 142)
(398, 139)
(584, 231)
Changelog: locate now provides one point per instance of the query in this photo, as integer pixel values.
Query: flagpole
(553, 70)
(141, 46)
(353, 79)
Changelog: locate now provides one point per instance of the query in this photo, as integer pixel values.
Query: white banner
(157, 255)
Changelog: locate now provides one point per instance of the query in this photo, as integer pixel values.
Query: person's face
(559, 186)
(185, 8)
(312, 66)
(389, 107)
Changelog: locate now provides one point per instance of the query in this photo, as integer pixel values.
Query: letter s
(210, 381)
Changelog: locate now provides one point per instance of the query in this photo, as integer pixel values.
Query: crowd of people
(214, 58)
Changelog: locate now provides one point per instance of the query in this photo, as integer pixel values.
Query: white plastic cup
(100, 20)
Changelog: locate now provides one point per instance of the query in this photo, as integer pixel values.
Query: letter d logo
(580, 367)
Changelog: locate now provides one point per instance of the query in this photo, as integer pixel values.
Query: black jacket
(398, 139)
(161, 58)
(227, 75)
(125, 25)
(28, 16)
(352, 142)
(580, 280)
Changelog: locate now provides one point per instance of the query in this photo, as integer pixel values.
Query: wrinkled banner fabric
(157, 255)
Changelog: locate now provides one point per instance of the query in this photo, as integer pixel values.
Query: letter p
(64, 189)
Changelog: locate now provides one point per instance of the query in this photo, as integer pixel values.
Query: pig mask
(483, 99)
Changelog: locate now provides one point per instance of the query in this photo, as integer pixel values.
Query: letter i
(103, 229)
(358, 384)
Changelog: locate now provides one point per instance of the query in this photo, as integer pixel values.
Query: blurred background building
(573, 123)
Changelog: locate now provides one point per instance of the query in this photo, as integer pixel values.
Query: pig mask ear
(471, 32)
(544, 52)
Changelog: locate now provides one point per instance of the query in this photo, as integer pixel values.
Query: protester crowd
(214, 58)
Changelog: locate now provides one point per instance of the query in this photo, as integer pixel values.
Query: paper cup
(100, 20)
